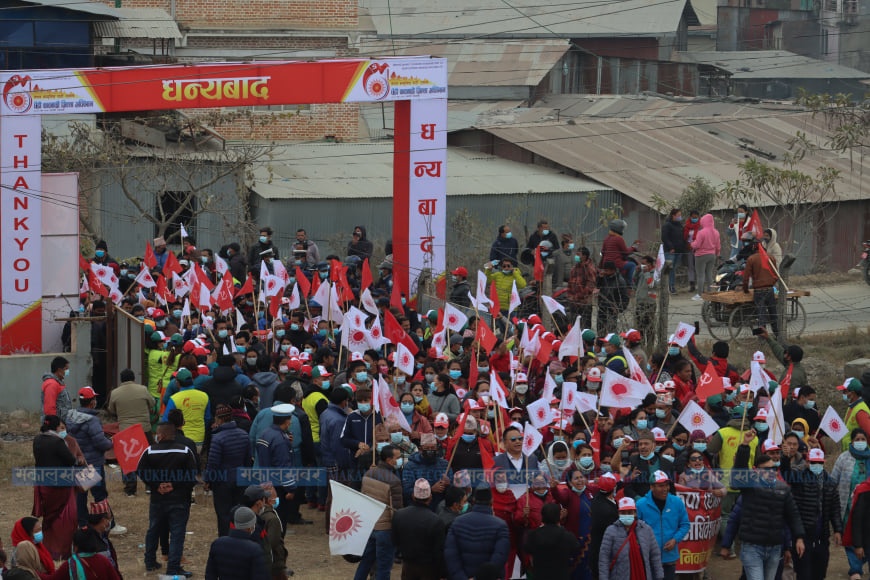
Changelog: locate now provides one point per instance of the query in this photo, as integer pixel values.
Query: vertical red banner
(401, 193)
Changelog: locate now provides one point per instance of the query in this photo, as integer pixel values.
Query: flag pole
(674, 426)
(743, 421)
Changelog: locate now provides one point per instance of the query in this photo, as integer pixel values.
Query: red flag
(315, 286)
(366, 275)
(441, 287)
(709, 383)
(171, 266)
(303, 283)
(595, 443)
(84, 265)
(753, 224)
(785, 384)
(129, 446)
(539, 265)
(460, 429)
(543, 355)
(150, 259)
(275, 304)
(394, 332)
(335, 270)
(203, 277)
(247, 287)
(495, 307)
(766, 260)
(224, 299)
(162, 289)
(96, 285)
(473, 373)
(485, 336)
(396, 296)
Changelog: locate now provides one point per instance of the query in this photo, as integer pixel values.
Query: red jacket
(535, 504)
(691, 228)
(614, 249)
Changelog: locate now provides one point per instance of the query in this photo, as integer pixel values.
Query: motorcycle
(865, 260)
(729, 276)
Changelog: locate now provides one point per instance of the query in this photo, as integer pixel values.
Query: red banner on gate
(129, 446)
(705, 510)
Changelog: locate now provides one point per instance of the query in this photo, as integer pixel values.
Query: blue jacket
(85, 426)
(266, 383)
(262, 422)
(237, 556)
(332, 422)
(670, 524)
(359, 429)
(230, 450)
(274, 450)
(416, 468)
(474, 539)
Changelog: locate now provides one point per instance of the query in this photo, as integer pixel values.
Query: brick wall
(247, 13)
(340, 120)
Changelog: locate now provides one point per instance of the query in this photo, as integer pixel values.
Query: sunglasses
(512, 439)
(696, 458)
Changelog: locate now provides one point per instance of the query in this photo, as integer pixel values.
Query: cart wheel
(795, 319)
(736, 322)
(716, 328)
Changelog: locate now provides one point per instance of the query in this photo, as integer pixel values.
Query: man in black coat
(222, 388)
(551, 547)
(459, 293)
(419, 536)
(604, 512)
(237, 556)
(539, 235)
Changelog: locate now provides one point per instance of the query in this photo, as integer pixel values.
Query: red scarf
(862, 487)
(19, 534)
(637, 569)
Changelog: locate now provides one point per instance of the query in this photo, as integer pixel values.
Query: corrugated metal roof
(139, 23)
(526, 18)
(95, 8)
(378, 117)
(642, 157)
(348, 171)
(482, 63)
(770, 64)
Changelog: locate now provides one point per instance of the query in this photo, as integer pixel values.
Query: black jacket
(307, 448)
(255, 259)
(612, 292)
(672, 236)
(552, 549)
(459, 294)
(766, 508)
(419, 535)
(230, 449)
(794, 411)
(604, 512)
(168, 462)
(504, 249)
(49, 450)
(222, 387)
(236, 557)
(528, 255)
(362, 247)
(816, 497)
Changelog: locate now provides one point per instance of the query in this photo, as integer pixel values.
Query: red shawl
(847, 533)
(637, 569)
(19, 534)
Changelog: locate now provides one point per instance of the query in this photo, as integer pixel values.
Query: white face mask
(501, 486)
(522, 388)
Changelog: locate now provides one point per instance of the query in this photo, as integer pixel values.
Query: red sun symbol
(343, 524)
(681, 333)
(357, 320)
(835, 425)
(619, 389)
(697, 420)
(376, 332)
(451, 319)
(358, 336)
(101, 272)
(405, 359)
(542, 414)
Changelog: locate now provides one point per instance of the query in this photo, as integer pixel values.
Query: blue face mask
(761, 426)
(62, 434)
(324, 385)
(577, 258)
(660, 413)
(396, 438)
(678, 447)
(586, 462)
(617, 443)
(845, 397)
(400, 380)
(699, 446)
(418, 399)
(817, 468)
(407, 408)
(280, 333)
(507, 272)
(263, 239)
(559, 379)
(730, 396)
(223, 333)
(176, 313)
(509, 235)
(641, 423)
(100, 253)
(626, 520)
(455, 374)
(123, 272)
(468, 438)
(294, 327)
(277, 503)
(482, 369)
(323, 275)
(606, 468)
(37, 538)
(673, 350)
(364, 407)
(859, 445)
(241, 348)
(361, 377)
(323, 332)
(648, 457)
(694, 220)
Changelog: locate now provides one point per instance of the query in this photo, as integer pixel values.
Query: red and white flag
(352, 518)
(385, 403)
(497, 390)
(833, 425)
(439, 342)
(549, 386)
(693, 417)
(105, 274)
(367, 302)
(553, 305)
(757, 377)
(660, 263)
(482, 301)
(144, 279)
(634, 370)
(568, 402)
(404, 360)
(180, 287)
(454, 319)
(709, 383)
(204, 302)
(586, 402)
(532, 439)
(221, 265)
(775, 420)
(683, 334)
(539, 413)
(295, 300)
(515, 299)
(272, 285)
(621, 392)
(376, 336)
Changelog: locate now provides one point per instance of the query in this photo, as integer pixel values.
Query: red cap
(87, 393)
(305, 371)
(202, 370)
(157, 313)
(460, 271)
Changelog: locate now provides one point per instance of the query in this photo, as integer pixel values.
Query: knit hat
(422, 489)
(244, 519)
(556, 367)
(223, 412)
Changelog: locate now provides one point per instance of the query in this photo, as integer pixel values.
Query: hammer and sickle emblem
(705, 378)
(132, 448)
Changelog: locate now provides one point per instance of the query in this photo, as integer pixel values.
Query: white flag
(367, 302)
(240, 320)
(454, 319)
(684, 334)
(660, 262)
(549, 386)
(385, 403)
(204, 297)
(831, 424)
(572, 343)
(775, 418)
(515, 299)
(496, 390)
(144, 279)
(634, 369)
(294, 298)
(272, 285)
(621, 392)
(539, 413)
(482, 299)
(568, 403)
(180, 285)
(757, 378)
(184, 233)
(439, 342)
(586, 402)
(221, 265)
(281, 272)
(693, 417)
(376, 336)
(531, 439)
(185, 311)
(552, 305)
(404, 360)
(352, 518)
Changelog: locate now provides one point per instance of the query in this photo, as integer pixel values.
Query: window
(167, 203)
(850, 6)
(280, 108)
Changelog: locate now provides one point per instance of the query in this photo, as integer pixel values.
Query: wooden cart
(728, 313)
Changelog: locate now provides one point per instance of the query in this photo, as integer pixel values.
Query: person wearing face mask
(857, 412)
(400, 440)
(382, 483)
(725, 443)
(274, 532)
(818, 503)
(229, 450)
(803, 406)
(440, 426)
(193, 403)
(426, 464)
(274, 449)
(418, 423)
(698, 475)
(102, 257)
(505, 246)
(357, 436)
(543, 232)
(603, 512)
(443, 399)
(255, 254)
(55, 397)
(629, 548)
(674, 245)
(767, 506)
(736, 229)
(418, 392)
(849, 473)
(719, 359)
(265, 379)
(527, 515)
(582, 285)
(419, 535)
(667, 516)
(642, 465)
(460, 288)
(455, 504)
(224, 385)
(467, 449)
(563, 262)
(356, 373)
(558, 460)
(504, 274)
(519, 396)
(575, 496)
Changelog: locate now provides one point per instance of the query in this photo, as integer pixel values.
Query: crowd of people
(273, 384)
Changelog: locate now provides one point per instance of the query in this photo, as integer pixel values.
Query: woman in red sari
(56, 505)
(30, 530)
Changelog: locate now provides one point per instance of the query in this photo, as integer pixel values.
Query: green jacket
(504, 284)
(798, 374)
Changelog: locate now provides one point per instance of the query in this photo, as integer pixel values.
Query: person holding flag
(761, 270)
(504, 278)
(736, 229)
